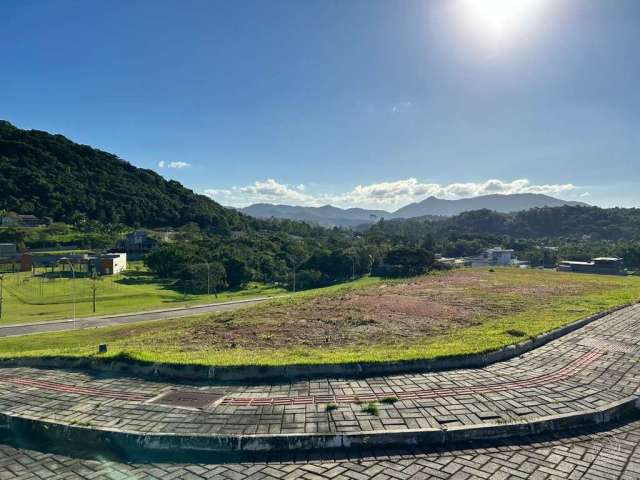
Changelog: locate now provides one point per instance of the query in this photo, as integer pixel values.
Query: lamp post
(94, 287)
(73, 281)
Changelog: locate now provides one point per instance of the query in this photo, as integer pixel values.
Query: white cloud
(267, 191)
(215, 192)
(400, 107)
(163, 164)
(272, 190)
(385, 195)
(585, 194)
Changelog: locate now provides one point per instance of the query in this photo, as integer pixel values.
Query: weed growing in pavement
(371, 409)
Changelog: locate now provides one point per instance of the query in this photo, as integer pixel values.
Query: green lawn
(519, 304)
(30, 299)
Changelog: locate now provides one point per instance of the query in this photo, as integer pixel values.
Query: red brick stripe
(77, 390)
(545, 379)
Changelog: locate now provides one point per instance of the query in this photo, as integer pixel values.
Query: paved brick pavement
(614, 454)
(589, 368)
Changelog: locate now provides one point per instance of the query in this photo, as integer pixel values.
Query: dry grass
(385, 313)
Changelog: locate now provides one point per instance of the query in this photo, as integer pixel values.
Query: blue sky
(355, 103)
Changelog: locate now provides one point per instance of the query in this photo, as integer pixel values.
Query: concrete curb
(262, 373)
(101, 440)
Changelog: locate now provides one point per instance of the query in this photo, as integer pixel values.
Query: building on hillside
(164, 235)
(143, 241)
(111, 263)
(7, 250)
(28, 221)
(599, 265)
(139, 242)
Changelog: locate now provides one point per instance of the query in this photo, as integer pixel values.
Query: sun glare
(499, 20)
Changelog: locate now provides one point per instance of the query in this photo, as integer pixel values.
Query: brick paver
(583, 370)
(613, 454)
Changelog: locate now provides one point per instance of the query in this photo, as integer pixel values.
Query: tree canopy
(49, 175)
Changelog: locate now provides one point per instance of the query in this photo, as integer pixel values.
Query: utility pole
(73, 280)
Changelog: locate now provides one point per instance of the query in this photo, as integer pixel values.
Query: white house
(112, 263)
(500, 257)
(497, 256)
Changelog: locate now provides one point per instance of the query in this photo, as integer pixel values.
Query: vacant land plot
(461, 312)
(39, 298)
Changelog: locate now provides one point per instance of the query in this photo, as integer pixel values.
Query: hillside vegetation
(51, 176)
(572, 222)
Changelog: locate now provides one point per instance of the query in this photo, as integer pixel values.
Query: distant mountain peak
(330, 216)
(503, 203)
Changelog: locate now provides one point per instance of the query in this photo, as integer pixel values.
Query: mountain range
(326, 216)
(329, 216)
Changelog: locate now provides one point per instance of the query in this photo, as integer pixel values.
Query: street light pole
(94, 287)
(73, 281)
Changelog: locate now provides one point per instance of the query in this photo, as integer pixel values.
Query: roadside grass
(30, 299)
(161, 341)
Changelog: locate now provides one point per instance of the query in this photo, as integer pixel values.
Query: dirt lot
(392, 312)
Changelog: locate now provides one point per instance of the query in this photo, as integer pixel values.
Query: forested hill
(571, 222)
(51, 176)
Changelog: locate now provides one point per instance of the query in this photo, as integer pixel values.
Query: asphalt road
(95, 322)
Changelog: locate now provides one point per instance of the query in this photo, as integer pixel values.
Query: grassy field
(30, 298)
(461, 312)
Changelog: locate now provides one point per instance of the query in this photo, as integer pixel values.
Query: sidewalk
(582, 372)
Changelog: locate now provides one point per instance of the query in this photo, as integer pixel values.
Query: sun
(499, 20)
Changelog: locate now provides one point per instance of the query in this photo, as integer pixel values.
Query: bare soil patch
(389, 313)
